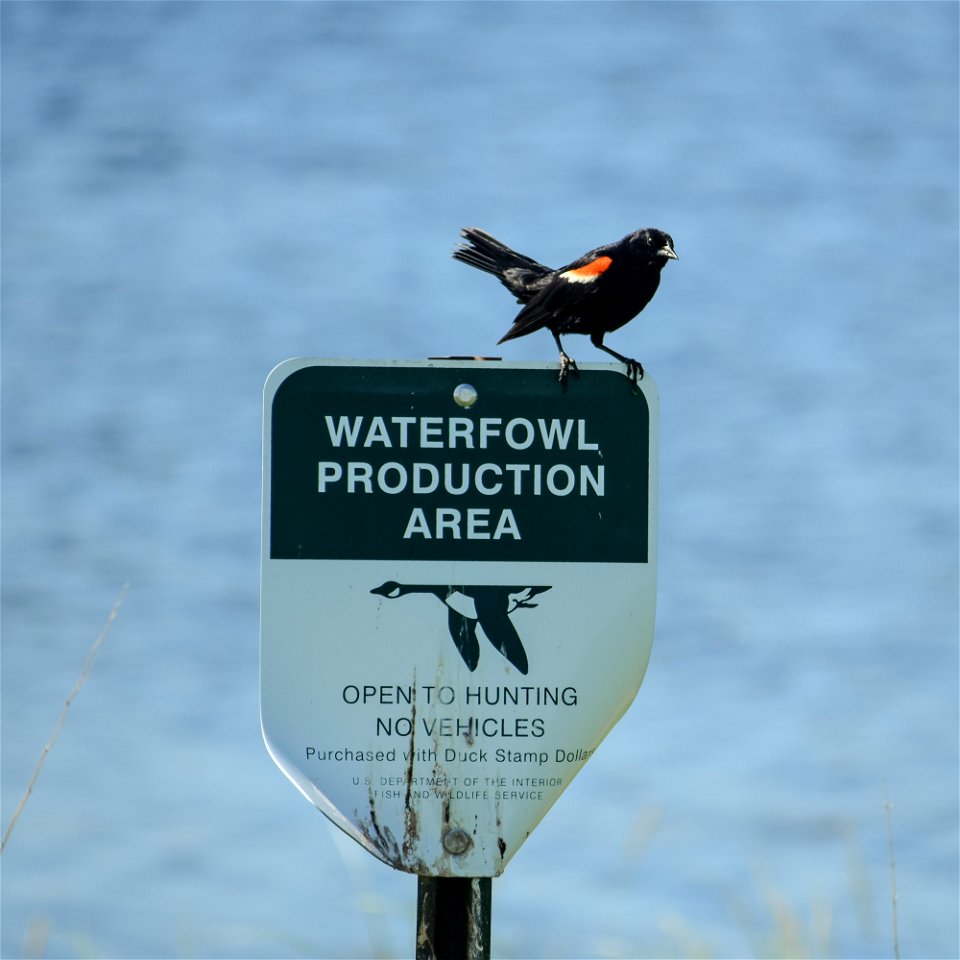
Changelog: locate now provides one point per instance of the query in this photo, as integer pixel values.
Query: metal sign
(458, 593)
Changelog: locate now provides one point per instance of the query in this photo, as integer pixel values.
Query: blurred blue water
(195, 191)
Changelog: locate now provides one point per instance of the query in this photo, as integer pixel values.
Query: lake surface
(193, 192)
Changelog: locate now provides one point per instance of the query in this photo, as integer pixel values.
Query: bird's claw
(634, 370)
(567, 366)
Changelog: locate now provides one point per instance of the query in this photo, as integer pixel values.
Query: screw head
(465, 395)
(457, 841)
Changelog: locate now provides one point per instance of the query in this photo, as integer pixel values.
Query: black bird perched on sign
(596, 294)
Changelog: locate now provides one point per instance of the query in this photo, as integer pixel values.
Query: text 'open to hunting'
(489, 478)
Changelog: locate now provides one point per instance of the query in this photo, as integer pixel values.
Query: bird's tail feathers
(490, 255)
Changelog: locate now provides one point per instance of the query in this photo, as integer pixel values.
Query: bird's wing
(568, 288)
(464, 634)
(500, 631)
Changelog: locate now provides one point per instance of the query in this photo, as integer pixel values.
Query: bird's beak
(667, 251)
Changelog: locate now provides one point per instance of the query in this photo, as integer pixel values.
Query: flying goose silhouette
(468, 606)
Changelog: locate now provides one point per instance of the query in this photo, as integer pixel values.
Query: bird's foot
(634, 370)
(567, 366)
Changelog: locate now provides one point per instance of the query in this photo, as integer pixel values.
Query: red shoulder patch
(589, 271)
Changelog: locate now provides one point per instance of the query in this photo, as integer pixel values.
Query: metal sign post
(453, 918)
(457, 600)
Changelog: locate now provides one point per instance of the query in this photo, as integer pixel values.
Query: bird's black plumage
(594, 295)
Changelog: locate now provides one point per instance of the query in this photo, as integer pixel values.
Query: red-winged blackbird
(596, 294)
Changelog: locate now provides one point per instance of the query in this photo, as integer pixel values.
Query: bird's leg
(634, 367)
(567, 364)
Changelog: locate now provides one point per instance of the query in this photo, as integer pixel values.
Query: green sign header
(453, 460)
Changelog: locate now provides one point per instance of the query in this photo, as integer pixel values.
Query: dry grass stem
(81, 680)
(888, 806)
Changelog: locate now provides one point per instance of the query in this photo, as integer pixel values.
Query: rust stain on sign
(411, 824)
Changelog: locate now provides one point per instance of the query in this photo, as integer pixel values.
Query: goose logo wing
(463, 631)
(492, 605)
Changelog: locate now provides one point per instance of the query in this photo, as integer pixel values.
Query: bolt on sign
(458, 593)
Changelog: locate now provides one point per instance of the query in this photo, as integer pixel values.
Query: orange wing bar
(589, 271)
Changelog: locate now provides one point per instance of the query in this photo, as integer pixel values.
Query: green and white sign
(458, 593)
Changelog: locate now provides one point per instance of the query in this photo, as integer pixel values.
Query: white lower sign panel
(457, 598)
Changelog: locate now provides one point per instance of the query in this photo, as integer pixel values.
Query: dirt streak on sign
(458, 593)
